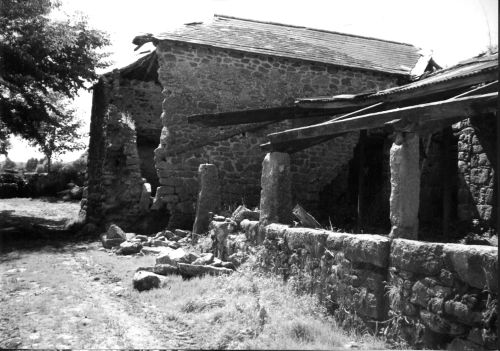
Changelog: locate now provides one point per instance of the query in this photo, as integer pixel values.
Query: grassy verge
(247, 310)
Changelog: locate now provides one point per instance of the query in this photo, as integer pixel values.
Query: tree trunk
(49, 163)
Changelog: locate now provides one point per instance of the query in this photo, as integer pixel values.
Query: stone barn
(225, 65)
(431, 142)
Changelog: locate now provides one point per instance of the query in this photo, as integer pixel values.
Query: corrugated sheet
(461, 70)
(300, 43)
(464, 69)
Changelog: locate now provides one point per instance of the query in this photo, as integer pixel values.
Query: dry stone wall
(126, 195)
(427, 294)
(199, 79)
(477, 188)
(141, 100)
(121, 153)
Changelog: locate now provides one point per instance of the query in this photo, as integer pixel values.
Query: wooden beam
(402, 125)
(296, 146)
(419, 114)
(273, 114)
(399, 95)
(483, 89)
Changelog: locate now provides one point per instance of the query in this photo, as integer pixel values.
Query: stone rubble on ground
(175, 253)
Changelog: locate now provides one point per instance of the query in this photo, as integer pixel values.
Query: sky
(452, 29)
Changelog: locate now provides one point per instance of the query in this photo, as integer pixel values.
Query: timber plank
(419, 114)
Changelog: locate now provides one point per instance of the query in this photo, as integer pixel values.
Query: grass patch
(85, 299)
(249, 310)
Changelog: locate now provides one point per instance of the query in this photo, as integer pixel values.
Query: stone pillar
(276, 193)
(405, 185)
(208, 198)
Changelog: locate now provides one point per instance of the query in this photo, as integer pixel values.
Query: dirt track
(59, 298)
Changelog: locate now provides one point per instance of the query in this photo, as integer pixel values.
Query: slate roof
(484, 65)
(300, 43)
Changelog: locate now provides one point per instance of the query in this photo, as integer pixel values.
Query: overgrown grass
(68, 305)
(249, 310)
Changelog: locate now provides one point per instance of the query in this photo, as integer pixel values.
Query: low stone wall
(430, 295)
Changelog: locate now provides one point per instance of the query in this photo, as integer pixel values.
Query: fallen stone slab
(216, 263)
(130, 236)
(144, 280)
(129, 248)
(142, 237)
(109, 243)
(191, 270)
(165, 243)
(165, 269)
(242, 213)
(174, 257)
(204, 259)
(115, 231)
(152, 250)
(229, 265)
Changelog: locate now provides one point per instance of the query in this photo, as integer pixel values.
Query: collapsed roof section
(301, 43)
(144, 69)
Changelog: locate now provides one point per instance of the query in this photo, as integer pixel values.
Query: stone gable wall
(121, 155)
(198, 79)
(428, 294)
(141, 100)
(126, 197)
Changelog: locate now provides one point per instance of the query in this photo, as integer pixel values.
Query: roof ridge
(311, 29)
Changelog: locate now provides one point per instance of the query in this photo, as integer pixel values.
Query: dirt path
(60, 298)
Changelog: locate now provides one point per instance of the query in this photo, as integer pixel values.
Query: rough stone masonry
(199, 79)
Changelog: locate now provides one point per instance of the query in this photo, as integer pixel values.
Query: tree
(56, 139)
(40, 56)
(31, 164)
(9, 164)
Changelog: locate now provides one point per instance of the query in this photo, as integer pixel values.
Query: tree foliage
(56, 139)
(9, 164)
(40, 56)
(31, 164)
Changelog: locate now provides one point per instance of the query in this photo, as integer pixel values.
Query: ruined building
(225, 65)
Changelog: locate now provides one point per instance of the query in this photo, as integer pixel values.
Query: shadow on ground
(30, 230)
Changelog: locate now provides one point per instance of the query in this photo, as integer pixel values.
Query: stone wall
(477, 186)
(198, 79)
(113, 99)
(141, 100)
(126, 195)
(427, 294)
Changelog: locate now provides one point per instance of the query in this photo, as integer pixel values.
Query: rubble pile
(181, 252)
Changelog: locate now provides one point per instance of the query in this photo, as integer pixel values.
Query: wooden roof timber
(402, 124)
(306, 143)
(402, 95)
(309, 109)
(417, 115)
(273, 114)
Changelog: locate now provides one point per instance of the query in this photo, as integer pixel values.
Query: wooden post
(276, 193)
(405, 185)
(361, 164)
